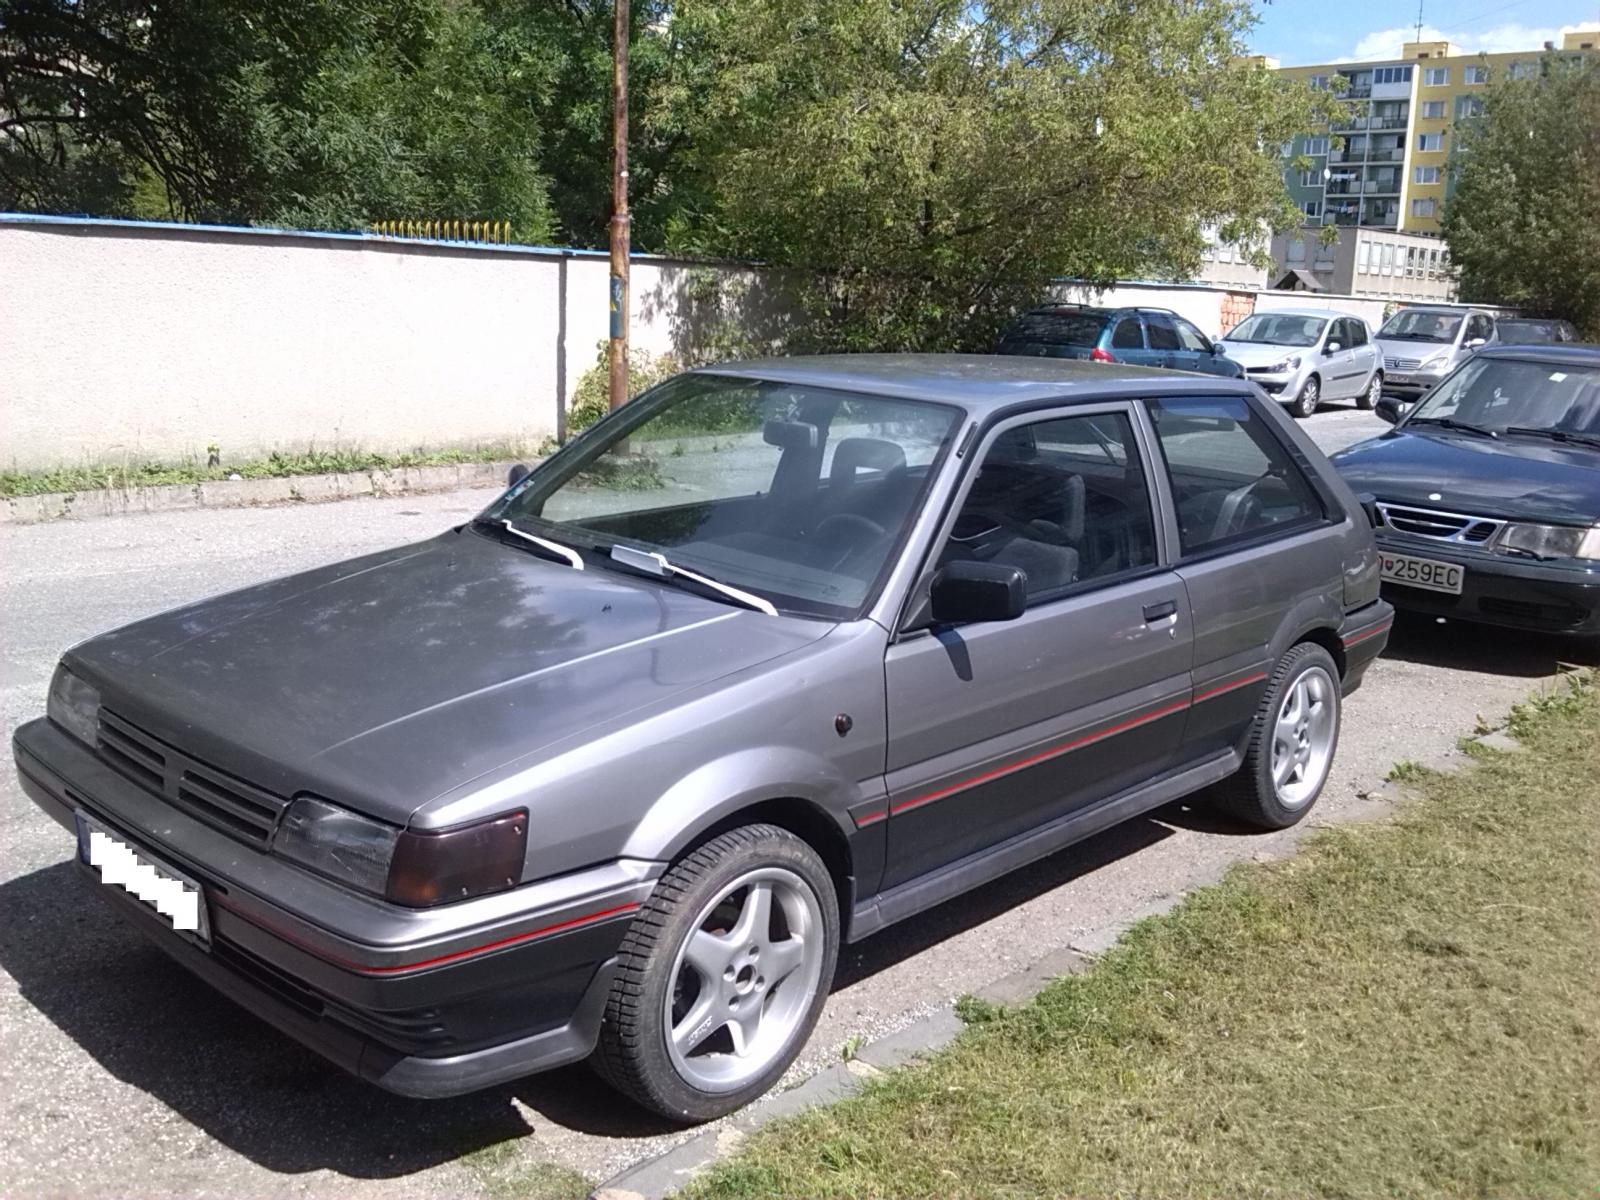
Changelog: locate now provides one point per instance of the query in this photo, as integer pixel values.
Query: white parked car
(1304, 356)
(1420, 345)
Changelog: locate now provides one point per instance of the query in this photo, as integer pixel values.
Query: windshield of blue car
(799, 494)
(1508, 393)
(1278, 329)
(1415, 325)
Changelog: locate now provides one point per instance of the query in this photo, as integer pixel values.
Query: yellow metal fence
(489, 232)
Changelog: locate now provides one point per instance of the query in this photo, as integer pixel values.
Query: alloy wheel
(1303, 738)
(743, 980)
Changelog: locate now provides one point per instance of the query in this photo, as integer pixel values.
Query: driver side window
(1065, 499)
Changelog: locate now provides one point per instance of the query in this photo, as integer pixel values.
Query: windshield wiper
(552, 549)
(1557, 435)
(658, 565)
(1452, 423)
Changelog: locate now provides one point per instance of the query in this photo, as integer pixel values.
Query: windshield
(1278, 329)
(1055, 329)
(798, 494)
(1416, 325)
(1499, 393)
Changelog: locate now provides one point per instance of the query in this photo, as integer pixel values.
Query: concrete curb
(664, 1174)
(250, 493)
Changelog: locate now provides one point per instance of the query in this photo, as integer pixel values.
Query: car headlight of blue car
(1550, 541)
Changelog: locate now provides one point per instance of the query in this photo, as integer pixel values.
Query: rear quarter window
(1055, 329)
(1232, 480)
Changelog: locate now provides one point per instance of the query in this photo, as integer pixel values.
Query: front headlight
(74, 705)
(407, 866)
(1434, 366)
(1550, 541)
(1289, 364)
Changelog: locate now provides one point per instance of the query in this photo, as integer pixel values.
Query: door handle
(1159, 612)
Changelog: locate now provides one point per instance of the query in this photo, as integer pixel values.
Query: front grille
(222, 801)
(1439, 526)
(1402, 364)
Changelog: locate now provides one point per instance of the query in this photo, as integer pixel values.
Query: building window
(1319, 81)
(1432, 110)
(1522, 70)
(1312, 208)
(1426, 175)
(1424, 208)
(1388, 259)
(1362, 251)
(1430, 141)
(1436, 76)
(1477, 74)
(1433, 264)
(1391, 75)
(1317, 145)
(1469, 106)
(1309, 178)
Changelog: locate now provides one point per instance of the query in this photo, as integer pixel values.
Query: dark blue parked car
(1146, 337)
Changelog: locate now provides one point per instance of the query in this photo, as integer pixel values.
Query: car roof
(1094, 310)
(1576, 354)
(1327, 313)
(980, 383)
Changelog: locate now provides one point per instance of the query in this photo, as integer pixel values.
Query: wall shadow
(1484, 649)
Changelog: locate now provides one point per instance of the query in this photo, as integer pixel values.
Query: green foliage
(276, 465)
(929, 166)
(591, 399)
(1521, 221)
(314, 113)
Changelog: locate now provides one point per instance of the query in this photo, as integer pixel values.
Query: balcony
(1386, 156)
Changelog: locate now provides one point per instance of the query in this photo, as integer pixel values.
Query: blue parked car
(1146, 337)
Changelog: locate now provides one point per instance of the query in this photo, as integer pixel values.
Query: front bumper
(1543, 597)
(428, 1003)
(1409, 384)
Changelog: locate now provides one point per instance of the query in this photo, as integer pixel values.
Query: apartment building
(1391, 166)
(1383, 264)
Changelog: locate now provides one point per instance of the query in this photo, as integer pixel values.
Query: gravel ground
(124, 1076)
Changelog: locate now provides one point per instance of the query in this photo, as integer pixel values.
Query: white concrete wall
(148, 342)
(1201, 305)
(1357, 306)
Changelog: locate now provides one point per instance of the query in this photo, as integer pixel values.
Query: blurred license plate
(171, 895)
(1427, 573)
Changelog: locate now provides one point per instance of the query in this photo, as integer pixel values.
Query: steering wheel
(850, 531)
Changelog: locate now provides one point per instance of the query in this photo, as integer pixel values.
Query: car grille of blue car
(222, 801)
(1440, 526)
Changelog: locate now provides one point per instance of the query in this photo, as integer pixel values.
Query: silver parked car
(775, 656)
(1307, 355)
(1421, 344)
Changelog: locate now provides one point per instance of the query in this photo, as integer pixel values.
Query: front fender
(715, 791)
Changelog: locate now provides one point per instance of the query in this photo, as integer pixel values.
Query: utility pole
(620, 220)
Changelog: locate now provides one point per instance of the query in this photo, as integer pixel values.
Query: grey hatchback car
(781, 653)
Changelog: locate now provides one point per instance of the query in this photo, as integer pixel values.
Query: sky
(1297, 32)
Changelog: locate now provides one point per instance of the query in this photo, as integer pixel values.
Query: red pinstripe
(1367, 633)
(1066, 747)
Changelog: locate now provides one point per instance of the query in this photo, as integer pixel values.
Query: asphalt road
(124, 1076)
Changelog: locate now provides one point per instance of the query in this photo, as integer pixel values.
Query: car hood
(1255, 355)
(384, 681)
(1516, 478)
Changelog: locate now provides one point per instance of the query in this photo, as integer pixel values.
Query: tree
(929, 166)
(324, 113)
(1522, 220)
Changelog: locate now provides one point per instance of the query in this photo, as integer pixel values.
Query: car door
(1128, 343)
(1340, 368)
(1165, 350)
(996, 728)
(1195, 351)
(1255, 541)
(1363, 355)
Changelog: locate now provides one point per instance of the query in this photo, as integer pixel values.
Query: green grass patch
(1406, 1009)
(275, 466)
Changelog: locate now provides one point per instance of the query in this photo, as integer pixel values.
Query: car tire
(1369, 398)
(1297, 722)
(693, 1027)
(1304, 404)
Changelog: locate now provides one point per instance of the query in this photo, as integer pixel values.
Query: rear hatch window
(1053, 329)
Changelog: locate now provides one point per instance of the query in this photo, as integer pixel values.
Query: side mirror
(518, 472)
(1391, 410)
(1474, 343)
(972, 591)
(1334, 347)
(1369, 505)
(1218, 348)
